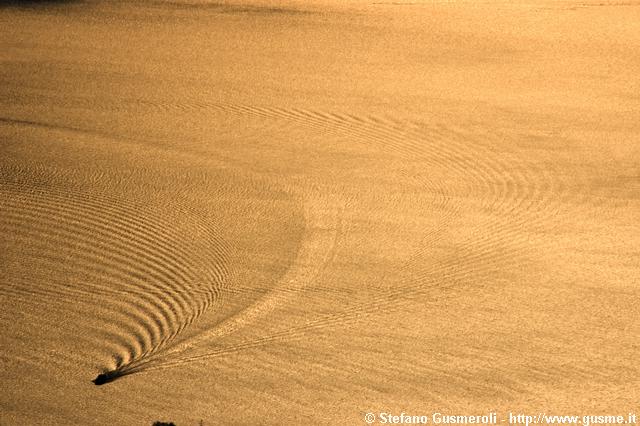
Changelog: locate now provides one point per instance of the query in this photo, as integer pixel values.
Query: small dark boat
(107, 377)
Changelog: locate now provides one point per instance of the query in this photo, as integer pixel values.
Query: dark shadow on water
(35, 3)
(109, 376)
(216, 7)
(225, 8)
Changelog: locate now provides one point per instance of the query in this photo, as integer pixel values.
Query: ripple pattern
(146, 285)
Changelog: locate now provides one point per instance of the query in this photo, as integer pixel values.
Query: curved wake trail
(151, 284)
(324, 227)
(505, 184)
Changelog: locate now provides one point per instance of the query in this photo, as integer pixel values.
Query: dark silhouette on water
(34, 3)
(107, 377)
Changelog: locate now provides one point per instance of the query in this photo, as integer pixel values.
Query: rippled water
(302, 212)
